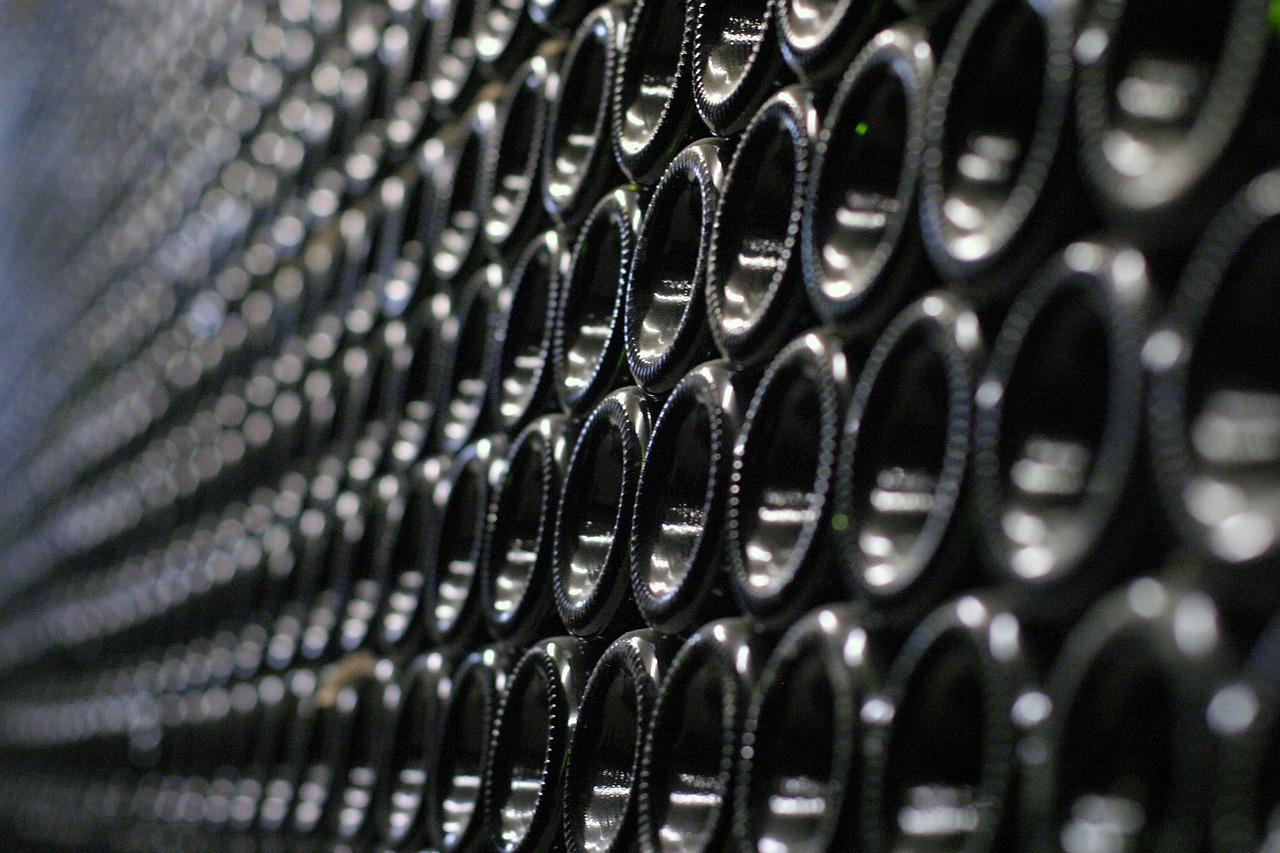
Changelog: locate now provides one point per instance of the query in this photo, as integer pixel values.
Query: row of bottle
(1141, 731)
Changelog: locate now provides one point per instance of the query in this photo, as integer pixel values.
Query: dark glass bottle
(578, 161)
(943, 734)
(455, 809)
(519, 605)
(755, 290)
(779, 514)
(450, 603)
(458, 243)
(513, 165)
(1245, 716)
(451, 56)
(1125, 753)
(1176, 108)
(422, 376)
(860, 242)
(902, 507)
(998, 188)
(465, 344)
(819, 37)
(593, 522)
(520, 375)
(665, 312)
(688, 775)
(653, 109)
(372, 564)
(800, 764)
(677, 538)
(602, 769)
(398, 627)
(1062, 496)
(1214, 404)
(425, 690)
(379, 705)
(587, 333)
(736, 61)
(504, 36)
(525, 770)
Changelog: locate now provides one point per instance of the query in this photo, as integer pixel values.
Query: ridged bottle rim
(727, 112)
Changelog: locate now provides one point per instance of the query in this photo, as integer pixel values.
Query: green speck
(840, 521)
(861, 129)
(1275, 14)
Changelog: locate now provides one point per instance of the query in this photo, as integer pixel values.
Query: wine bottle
(400, 624)
(504, 36)
(602, 768)
(943, 732)
(379, 706)
(652, 109)
(778, 520)
(425, 690)
(458, 243)
(665, 313)
(1062, 497)
(451, 57)
(455, 808)
(586, 345)
(860, 243)
(465, 342)
(1175, 111)
(1214, 404)
(819, 37)
(525, 767)
(755, 292)
(1125, 755)
(677, 537)
(450, 603)
(578, 163)
(512, 176)
(689, 770)
(998, 189)
(800, 763)
(736, 61)
(902, 507)
(519, 374)
(519, 605)
(593, 521)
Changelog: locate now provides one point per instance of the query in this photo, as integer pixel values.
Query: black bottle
(513, 165)
(457, 241)
(450, 68)
(587, 333)
(653, 108)
(578, 162)
(779, 515)
(819, 37)
(450, 605)
(379, 706)
(400, 625)
(602, 769)
(736, 61)
(755, 290)
(455, 810)
(465, 343)
(688, 776)
(1214, 408)
(1126, 753)
(677, 530)
(422, 376)
(1245, 716)
(998, 188)
(902, 509)
(373, 563)
(860, 241)
(518, 602)
(801, 762)
(593, 522)
(943, 733)
(524, 776)
(425, 690)
(1176, 111)
(666, 310)
(520, 375)
(1061, 491)
(504, 36)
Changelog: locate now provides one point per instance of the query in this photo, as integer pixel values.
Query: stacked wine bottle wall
(671, 426)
